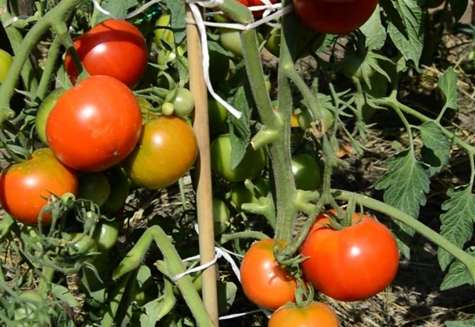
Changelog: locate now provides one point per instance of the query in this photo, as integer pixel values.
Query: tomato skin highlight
(316, 314)
(114, 48)
(263, 280)
(350, 264)
(25, 187)
(165, 152)
(334, 17)
(94, 125)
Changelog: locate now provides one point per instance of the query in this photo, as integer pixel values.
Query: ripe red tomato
(263, 280)
(114, 48)
(252, 3)
(166, 151)
(316, 314)
(334, 17)
(350, 264)
(26, 187)
(95, 124)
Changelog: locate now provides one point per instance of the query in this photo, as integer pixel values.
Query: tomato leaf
(151, 310)
(448, 87)
(374, 31)
(465, 323)
(116, 8)
(239, 129)
(177, 22)
(436, 150)
(405, 183)
(410, 40)
(457, 220)
(457, 275)
(458, 8)
(226, 296)
(62, 293)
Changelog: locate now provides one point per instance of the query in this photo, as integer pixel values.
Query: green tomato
(305, 118)
(221, 216)
(240, 194)
(307, 172)
(231, 40)
(105, 235)
(80, 243)
(120, 189)
(5, 64)
(182, 100)
(273, 42)
(43, 111)
(94, 187)
(165, 41)
(250, 166)
(360, 67)
(218, 117)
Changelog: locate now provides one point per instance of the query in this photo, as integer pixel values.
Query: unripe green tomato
(231, 40)
(105, 235)
(250, 166)
(273, 42)
(307, 172)
(94, 187)
(182, 100)
(120, 189)
(5, 64)
(240, 194)
(221, 216)
(81, 244)
(163, 31)
(43, 111)
(305, 118)
(218, 117)
(168, 109)
(360, 67)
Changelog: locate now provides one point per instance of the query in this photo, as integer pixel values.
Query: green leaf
(152, 309)
(239, 129)
(448, 86)
(457, 275)
(458, 7)
(226, 296)
(177, 22)
(457, 220)
(62, 293)
(436, 150)
(374, 31)
(466, 323)
(116, 8)
(405, 183)
(410, 40)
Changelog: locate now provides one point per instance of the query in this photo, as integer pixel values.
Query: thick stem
(53, 54)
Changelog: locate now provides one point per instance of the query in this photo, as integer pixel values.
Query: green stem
(248, 234)
(53, 18)
(46, 278)
(236, 11)
(45, 81)
(431, 235)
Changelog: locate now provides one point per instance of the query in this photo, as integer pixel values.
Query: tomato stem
(45, 81)
(247, 234)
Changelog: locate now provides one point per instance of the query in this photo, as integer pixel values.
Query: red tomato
(263, 280)
(26, 187)
(350, 264)
(95, 124)
(114, 48)
(252, 3)
(316, 314)
(166, 151)
(334, 17)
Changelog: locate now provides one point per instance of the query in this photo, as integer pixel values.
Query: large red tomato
(26, 187)
(114, 48)
(95, 124)
(334, 17)
(350, 264)
(264, 281)
(166, 151)
(316, 314)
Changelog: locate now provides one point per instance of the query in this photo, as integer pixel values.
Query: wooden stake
(204, 192)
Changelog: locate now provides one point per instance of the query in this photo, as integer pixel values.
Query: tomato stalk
(247, 234)
(431, 235)
(53, 53)
(54, 18)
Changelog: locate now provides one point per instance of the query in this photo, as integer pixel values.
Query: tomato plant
(353, 263)
(165, 152)
(217, 115)
(29, 310)
(95, 124)
(315, 314)
(182, 100)
(114, 48)
(26, 187)
(94, 187)
(239, 193)
(221, 216)
(305, 118)
(307, 172)
(264, 281)
(43, 112)
(250, 166)
(5, 63)
(119, 191)
(328, 16)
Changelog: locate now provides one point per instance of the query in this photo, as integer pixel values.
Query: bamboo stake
(204, 198)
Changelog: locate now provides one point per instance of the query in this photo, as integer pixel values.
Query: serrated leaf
(436, 150)
(116, 8)
(458, 7)
(374, 31)
(177, 22)
(466, 323)
(448, 86)
(457, 275)
(239, 129)
(457, 220)
(62, 293)
(405, 183)
(410, 40)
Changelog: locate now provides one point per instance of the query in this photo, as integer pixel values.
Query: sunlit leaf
(374, 31)
(448, 86)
